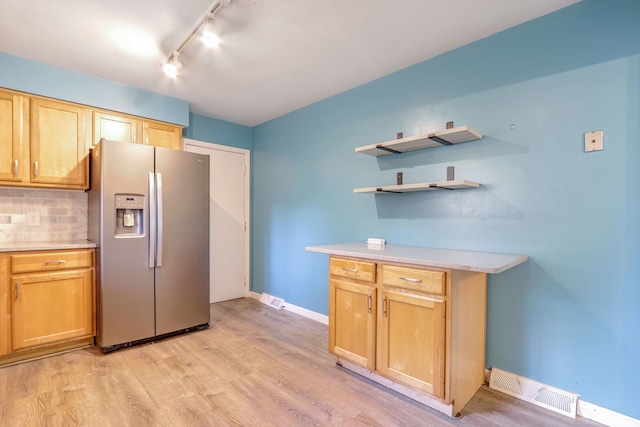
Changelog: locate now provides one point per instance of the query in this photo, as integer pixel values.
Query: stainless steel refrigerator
(149, 215)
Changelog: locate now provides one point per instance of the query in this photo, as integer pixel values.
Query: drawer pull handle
(350, 270)
(369, 303)
(15, 168)
(36, 170)
(17, 290)
(410, 279)
(58, 261)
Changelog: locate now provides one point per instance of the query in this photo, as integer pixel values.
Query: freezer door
(125, 280)
(182, 271)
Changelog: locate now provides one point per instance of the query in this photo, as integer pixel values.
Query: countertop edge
(513, 259)
(46, 246)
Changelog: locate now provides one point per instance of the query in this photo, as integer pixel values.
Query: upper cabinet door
(58, 144)
(161, 135)
(115, 128)
(13, 137)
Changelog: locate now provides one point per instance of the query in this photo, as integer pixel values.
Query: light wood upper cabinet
(58, 144)
(45, 142)
(114, 127)
(161, 135)
(124, 128)
(14, 135)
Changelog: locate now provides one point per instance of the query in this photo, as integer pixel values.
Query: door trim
(247, 199)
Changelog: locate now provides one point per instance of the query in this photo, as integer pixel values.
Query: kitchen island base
(412, 319)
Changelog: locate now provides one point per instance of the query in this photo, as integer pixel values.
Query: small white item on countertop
(375, 243)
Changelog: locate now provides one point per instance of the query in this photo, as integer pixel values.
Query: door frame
(247, 198)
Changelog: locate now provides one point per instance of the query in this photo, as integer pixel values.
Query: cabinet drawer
(360, 270)
(412, 278)
(50, 260)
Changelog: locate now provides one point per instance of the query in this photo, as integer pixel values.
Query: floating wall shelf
(425, 186)
(437, 139)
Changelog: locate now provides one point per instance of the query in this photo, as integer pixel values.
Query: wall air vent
(272, 301)
(539, 394)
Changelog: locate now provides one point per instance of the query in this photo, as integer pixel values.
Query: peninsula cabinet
(48, 302)
(352, 311)
(412, 319)
(124, 128)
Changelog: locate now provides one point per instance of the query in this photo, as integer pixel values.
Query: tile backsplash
(63, 215)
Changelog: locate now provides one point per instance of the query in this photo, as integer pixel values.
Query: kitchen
(566, 317)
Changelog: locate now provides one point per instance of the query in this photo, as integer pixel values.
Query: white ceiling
(277, 55)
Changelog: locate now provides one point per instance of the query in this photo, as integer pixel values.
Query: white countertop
(484, 262)
(45, 246)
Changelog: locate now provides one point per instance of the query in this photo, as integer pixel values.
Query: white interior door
(229, 219)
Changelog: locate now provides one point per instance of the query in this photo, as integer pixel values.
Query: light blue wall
(569, 317)
(202, 128)
(41, 79)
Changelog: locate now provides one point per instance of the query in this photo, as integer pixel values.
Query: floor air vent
(272, 301)
(556, 400)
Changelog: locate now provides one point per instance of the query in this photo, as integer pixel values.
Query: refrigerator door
(182, 271)
(125, 280)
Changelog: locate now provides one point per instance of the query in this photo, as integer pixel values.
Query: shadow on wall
(479, 204)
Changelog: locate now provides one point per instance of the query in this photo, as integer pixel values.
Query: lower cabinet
(51, 307)
(418, 330)
(412, 340)
(352, 333)
(50, 302)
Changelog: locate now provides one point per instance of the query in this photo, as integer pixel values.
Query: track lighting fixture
(210, 32)
(173, 65)
(210, 37)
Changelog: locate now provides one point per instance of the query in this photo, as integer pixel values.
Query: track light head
(210, 32)
(173, 65)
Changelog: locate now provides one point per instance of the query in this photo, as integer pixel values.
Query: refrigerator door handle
(152, 220)
(159, 254)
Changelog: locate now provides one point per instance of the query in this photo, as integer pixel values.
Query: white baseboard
(596, 413)
(298, 310)
(605, 416)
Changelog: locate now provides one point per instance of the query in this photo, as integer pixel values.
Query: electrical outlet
(33, 219)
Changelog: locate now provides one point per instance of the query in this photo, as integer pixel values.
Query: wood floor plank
(255, 366)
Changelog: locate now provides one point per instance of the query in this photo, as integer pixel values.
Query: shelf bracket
(380, 190)
(437, 139)
(435, 185)
(390, 150)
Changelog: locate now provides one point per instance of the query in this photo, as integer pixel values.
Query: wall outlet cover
(33, 219)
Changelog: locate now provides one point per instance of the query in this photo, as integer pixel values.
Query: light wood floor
(256, 366)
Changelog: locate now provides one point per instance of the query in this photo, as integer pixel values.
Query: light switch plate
(593, 141)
